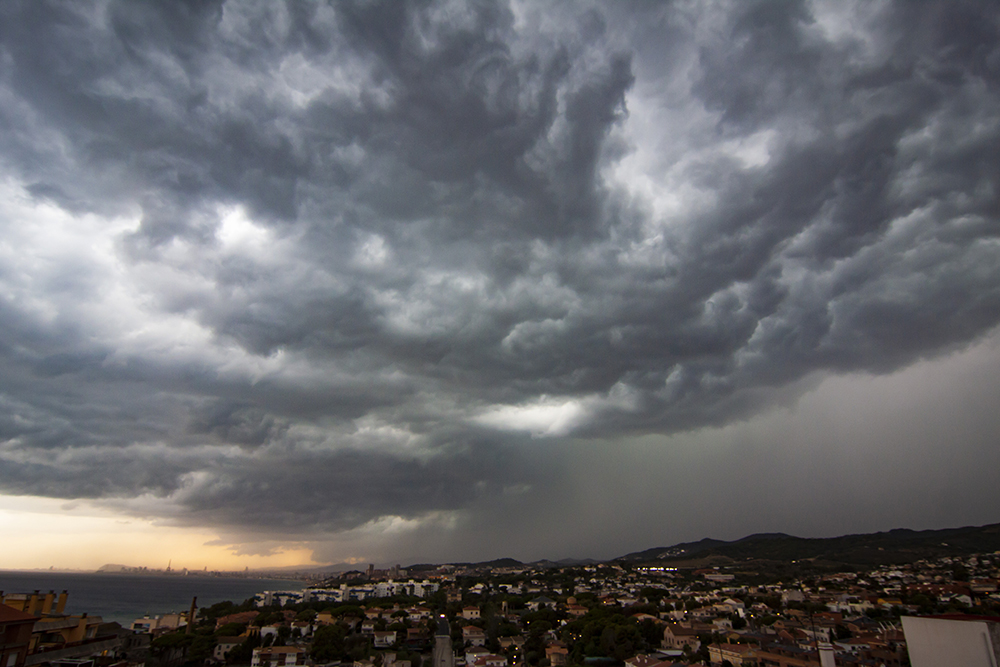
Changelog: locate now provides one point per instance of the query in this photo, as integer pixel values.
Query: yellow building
(53, 630)
(35, 603)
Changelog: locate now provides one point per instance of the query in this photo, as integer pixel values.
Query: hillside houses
(642, 617)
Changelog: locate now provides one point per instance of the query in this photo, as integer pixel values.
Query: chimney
(47, 603)
(61, 604)
(191, 614)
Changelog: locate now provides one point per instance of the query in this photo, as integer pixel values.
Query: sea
(126, 597)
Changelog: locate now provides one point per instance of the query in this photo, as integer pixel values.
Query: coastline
(123, 597)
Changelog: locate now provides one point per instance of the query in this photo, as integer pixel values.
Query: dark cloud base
(454, 228)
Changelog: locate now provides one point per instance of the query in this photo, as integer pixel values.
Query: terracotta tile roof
(11, 615)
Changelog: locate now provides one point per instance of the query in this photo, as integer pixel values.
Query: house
(305, 628)
(278, 656)
(271, 630)
(470, 613)
(224, 646)
(676, 637)
(640, 617)
(557, 654)
(733, 605)
(159, 624)
(15, 635)
(473, 653)
(416, 636)
(722, 624)
(508, 642)
(384, 638)
(490, 660)
(52, 635)
(541, 602)
(56, 632)
(418, 613)
(473, 636)
(736, 654)
(645, 661)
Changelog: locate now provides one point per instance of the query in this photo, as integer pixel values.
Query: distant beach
(125, 597)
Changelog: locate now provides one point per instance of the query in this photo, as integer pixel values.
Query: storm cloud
(377, 270)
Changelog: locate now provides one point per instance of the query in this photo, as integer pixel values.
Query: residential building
(644, 661)
(735, 654)
(676, 637)
(35, 603)
(473, 653)
(54, 632)
(384, 638)
(278, 656)
(162, 623)
(557, 654)
(224, 646)
(15, 635)
(473, 636)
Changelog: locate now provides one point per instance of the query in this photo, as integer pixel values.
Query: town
(506, 614)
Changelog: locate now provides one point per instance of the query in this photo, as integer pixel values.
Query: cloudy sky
(403, 281)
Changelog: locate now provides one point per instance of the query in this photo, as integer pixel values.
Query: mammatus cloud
(353, 271)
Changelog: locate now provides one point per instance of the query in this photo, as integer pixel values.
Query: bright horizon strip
(44, 533)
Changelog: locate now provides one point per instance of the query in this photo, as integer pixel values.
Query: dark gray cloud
(388, 257)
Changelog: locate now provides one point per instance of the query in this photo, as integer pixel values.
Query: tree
(329, 643)
(358, 647)
(219, 609)
(652, 632)
(201, 649)
(242, 654)
(507, 629)
(231, 630)
(268, 618)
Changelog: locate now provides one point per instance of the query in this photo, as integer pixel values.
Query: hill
(891, 547)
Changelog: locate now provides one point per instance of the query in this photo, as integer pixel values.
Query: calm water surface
(125, 597)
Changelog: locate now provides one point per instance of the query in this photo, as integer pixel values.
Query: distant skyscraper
(443, 655)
